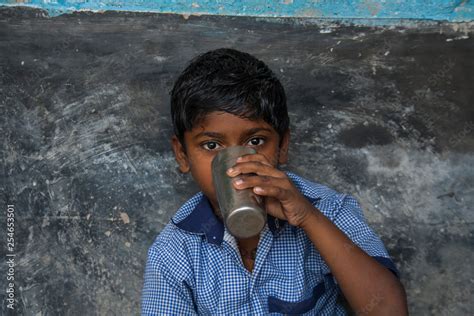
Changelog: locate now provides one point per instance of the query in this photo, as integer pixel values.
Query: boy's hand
(282, 199)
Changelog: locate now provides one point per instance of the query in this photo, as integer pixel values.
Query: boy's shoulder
(312, 189)
(326, 199)
(171, 235)
(187, 208)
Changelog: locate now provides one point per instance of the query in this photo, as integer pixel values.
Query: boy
(315, 247)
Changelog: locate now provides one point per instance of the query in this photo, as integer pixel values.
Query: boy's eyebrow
(209, 134)
(219, 135)
(255, 130)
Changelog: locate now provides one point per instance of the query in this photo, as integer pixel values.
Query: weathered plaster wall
(383, 113)
(450, 10)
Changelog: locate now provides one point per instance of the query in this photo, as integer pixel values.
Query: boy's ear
(180, 154)
(284, 144)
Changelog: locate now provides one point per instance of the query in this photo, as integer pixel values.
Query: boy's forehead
(223, 121)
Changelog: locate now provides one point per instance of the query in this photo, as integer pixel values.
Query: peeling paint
(438, 10)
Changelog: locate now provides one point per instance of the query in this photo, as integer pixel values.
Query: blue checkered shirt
(194, 265)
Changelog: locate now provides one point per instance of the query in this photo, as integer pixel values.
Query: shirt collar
(202, 220)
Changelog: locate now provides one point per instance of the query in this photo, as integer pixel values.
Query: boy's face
(218, 130)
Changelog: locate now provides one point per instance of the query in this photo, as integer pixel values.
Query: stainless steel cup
(242, 210)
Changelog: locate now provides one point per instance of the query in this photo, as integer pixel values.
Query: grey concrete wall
(383, 113)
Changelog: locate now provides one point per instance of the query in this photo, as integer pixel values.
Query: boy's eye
(256, 141)
(210, 145)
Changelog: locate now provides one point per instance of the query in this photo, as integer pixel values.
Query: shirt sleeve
(165, 291)
(350, 219)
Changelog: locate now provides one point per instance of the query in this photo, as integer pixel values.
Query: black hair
(230, 81)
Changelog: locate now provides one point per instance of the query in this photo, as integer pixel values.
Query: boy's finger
(255, 157)
(271, 191)
(257, 181)
(255, 167)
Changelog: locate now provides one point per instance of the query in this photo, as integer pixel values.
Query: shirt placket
(231, 247)
(264, 246)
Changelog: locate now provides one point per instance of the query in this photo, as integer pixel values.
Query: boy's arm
(163, 292)
(369, 287)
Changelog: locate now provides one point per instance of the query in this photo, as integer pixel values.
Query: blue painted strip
(438, 10)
